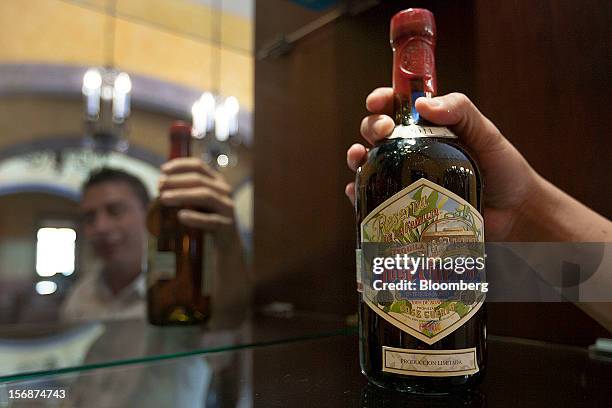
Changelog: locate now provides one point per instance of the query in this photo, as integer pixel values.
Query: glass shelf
(28, 351)
(320, 371)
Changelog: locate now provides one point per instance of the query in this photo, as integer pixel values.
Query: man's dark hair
(111, 175)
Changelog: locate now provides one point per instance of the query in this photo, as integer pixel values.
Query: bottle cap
(413, 22)
(180, 128)
(180, 140)
(413, 40)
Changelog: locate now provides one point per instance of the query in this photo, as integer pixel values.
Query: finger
(380, 101)
(193, 179)
(376, 127)
(349, 190)
(199, 197)
(206, 221)
(186, 165)
(457, 111)
(355, 156)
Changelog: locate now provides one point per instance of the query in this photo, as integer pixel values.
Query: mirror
(91, 84)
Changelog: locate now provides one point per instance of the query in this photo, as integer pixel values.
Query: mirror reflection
(89, 94)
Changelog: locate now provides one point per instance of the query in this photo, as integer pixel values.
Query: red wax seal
(416, 57)
(180, 139)
(413, 39)
(180, 128)
(413, 22)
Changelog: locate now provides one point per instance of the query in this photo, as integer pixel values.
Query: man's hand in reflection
(189, 182)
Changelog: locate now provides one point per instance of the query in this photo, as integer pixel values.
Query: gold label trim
(415, 333)
(406, 190)
(400, 201)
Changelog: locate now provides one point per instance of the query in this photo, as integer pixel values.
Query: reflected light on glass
(222, 160)
(55, 249)
(46, 287)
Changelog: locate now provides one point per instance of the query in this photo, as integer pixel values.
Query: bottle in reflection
(375, 397)
(418, 197)
(180, 258)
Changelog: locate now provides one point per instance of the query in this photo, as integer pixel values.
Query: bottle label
(430, 363)
(162, 264)
(422, 261)
(416, 131)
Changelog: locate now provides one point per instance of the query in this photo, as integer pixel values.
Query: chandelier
(106, 94)
(215, 126)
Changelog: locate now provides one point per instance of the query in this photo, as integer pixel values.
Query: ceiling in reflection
(27, 173)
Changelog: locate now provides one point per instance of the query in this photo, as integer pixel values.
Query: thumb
(477, 132)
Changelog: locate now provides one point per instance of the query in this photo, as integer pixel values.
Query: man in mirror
(114, 207)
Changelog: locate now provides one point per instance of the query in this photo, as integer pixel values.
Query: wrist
(551, 215)
(531, 214)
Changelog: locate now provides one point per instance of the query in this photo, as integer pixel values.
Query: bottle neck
(179, 146)
(404, 109)
(414, 75)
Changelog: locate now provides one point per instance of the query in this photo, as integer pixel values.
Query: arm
(553, 218)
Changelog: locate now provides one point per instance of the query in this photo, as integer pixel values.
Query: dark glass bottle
(178, 257)
(399, 333)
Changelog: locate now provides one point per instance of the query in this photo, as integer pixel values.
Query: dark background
(538, 70)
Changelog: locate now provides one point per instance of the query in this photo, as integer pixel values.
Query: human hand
(189, 182)
(509, 181)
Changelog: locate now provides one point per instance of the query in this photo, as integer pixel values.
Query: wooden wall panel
(295, 232)
(537, 69)
(543, 70)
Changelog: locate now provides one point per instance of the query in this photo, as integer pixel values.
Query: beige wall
(27, 118)
(169, 40)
